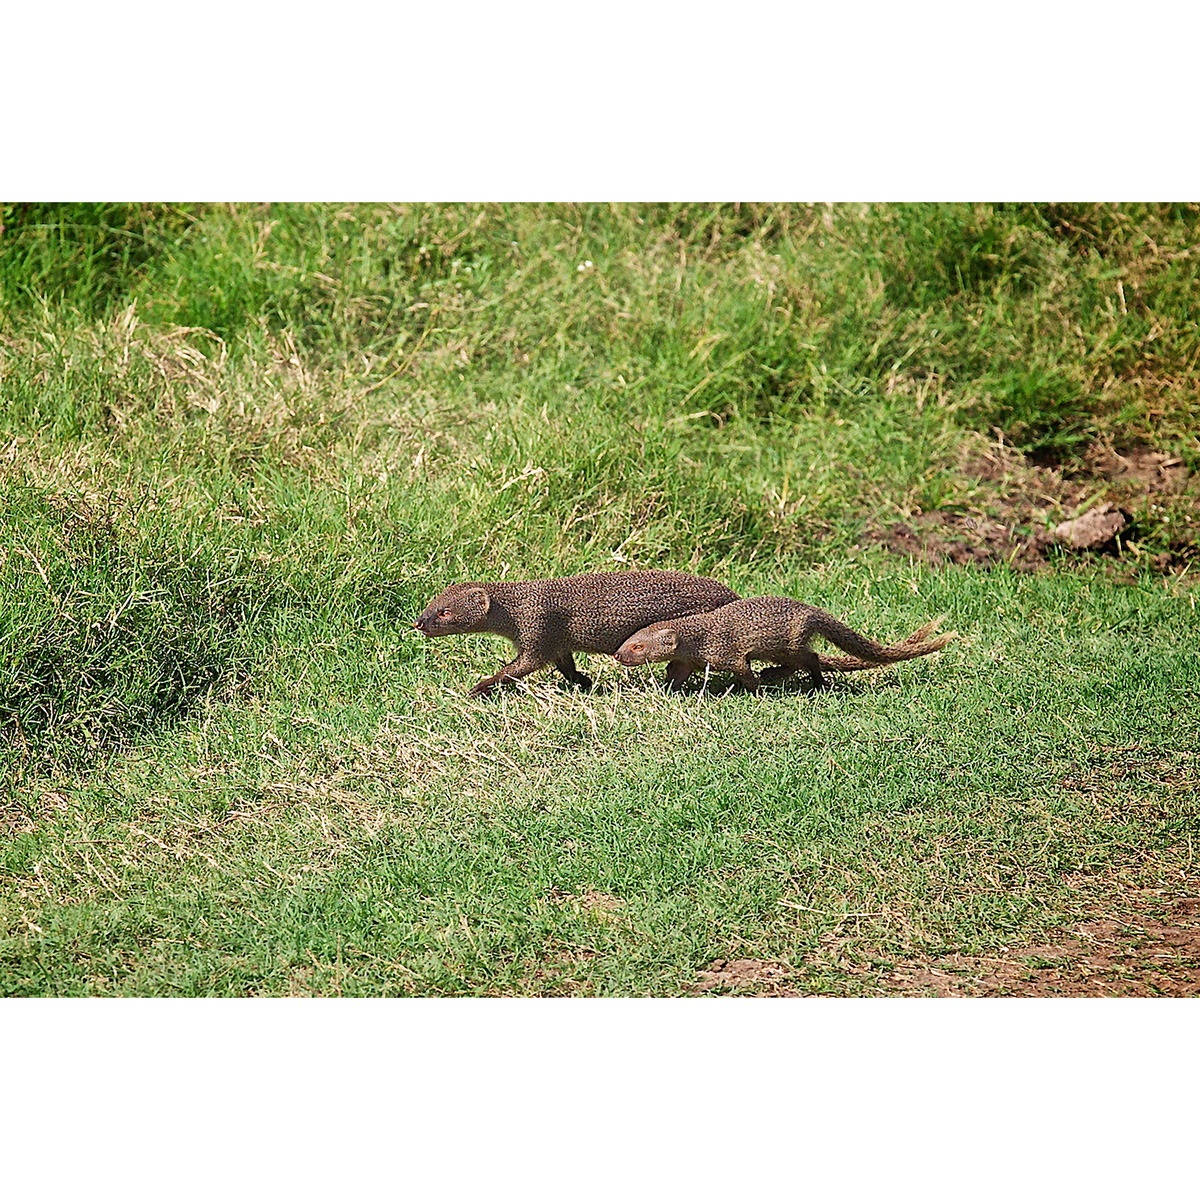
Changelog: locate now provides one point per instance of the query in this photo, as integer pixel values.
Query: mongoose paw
(482, 688)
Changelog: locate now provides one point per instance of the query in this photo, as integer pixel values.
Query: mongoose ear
(671, 639)
(477, 596)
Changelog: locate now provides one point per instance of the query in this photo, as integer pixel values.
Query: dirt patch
(755, 975)
(1011, 506)
(1099, 775)
(1128, 937)
(1149, 469)
(1147, 955)
(1016, 512)
(946, 537)
(23, 816)
(598, 904)
(601, 902)
(557, 971)
(14, 819)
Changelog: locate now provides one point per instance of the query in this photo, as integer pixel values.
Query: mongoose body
(550, 620)
(765, 629)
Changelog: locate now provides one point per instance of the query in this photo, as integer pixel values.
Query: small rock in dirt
(1092, 529)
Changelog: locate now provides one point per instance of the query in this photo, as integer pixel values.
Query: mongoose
(765, 628)
(551, 620)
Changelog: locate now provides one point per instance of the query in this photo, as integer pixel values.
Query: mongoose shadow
(720, 688)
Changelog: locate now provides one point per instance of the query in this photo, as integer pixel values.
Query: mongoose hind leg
(566, 664)
(808, 660)
(775, 675)
(677, 672)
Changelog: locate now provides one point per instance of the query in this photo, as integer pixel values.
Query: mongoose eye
(636, 649)
(444, 613)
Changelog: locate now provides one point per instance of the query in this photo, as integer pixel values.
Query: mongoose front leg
(516, 669)
(746, 677)
(566, 664)
(677, 672)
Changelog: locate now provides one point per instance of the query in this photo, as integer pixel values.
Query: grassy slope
(242, 447)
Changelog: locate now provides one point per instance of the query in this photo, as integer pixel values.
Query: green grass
(241, 447)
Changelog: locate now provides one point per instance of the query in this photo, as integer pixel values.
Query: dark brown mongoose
(766, 629)
(550, 620)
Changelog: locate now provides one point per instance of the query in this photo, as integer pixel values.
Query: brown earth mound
(1019, 513)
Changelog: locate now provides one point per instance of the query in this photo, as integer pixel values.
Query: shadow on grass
(107, 633)
(720, 687)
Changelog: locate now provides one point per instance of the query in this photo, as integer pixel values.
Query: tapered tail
(869, 655)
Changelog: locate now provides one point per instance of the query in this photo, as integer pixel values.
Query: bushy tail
(869, 655)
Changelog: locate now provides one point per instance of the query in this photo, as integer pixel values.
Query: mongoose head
(461, 608)
(655, 643)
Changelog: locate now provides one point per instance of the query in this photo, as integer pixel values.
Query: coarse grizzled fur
(551, 620)
(770, 629)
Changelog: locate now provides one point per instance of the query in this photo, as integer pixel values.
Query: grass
(240, 447)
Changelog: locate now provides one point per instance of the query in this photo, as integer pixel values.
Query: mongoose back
(550, 620)
(767, 629)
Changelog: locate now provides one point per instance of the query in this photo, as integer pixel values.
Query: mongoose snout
(461, 608)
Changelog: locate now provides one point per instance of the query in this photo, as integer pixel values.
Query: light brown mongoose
(550, 620)
(765, 628)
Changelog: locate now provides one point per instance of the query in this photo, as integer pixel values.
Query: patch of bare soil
(23, 816)
(1017, 512)
(1150, 954)
(946, 537)
(1147, 468)
(1128, 937)
(14, 819)
(557, 971)
(754, 975)
(598, 904)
